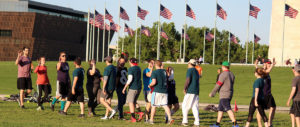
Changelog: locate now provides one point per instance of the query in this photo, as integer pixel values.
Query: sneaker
(150, 122)
(60, 111)
(39, 108)
(121, 118)
(42, 107)
(22, 107)
(238, 125)
(81, 115)
(184, 124)
(90, 114)
(133, 120)
(214, 125)
(141, 115)
(63, 113)
(104, 118)
(52, 107)
(146, 121)
(171, 122)
(113, 112)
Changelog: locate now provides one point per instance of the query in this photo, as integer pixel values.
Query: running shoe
(113, 112)
(235, 125)
(141, 115)
(133, 120)
(81, 115)
(214, 125)
(171, 122)
(39, 108)
(104, 118)
(184, 124)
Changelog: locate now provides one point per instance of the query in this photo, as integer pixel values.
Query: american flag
(99, 19)
(108, 16)
(186, 35)
(123, 14)
(163, 34)
(142, 13)
(114, 27)
(290, 12)
(164, 12)
(190, 13)
(221, 12)
(209, 36)
(91, 18)
(233, 38)
(128, 30)
(253, 11)
(256, 38)
(145, 31)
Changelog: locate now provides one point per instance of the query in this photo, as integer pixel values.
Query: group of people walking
(159, 89)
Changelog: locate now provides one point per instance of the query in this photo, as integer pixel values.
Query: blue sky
(237, 11)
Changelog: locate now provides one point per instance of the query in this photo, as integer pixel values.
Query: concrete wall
(291, 45)
(13, 6)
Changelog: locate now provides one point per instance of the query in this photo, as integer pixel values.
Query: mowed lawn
(12, 115)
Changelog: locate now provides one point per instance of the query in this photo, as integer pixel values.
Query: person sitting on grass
(42, 82)
(135, 85)
(225, 87)
(76, 92)
(257, 101)
(295, 97)
(191, 91)
(160, 92)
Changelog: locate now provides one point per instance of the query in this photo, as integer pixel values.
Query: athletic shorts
(133, 96)
(159, 99)
(224, 105)
(295, 109)
(79, 95)
(62, 89)
(269, 101)
(24, 83)
(108, 95)
(146, 93)
(172, 99)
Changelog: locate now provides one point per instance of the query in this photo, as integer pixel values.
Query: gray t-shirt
(224, 85)
(296, 83)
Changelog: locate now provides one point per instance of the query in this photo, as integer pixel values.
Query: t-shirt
(296, 83)
(93, 79)
(136, 83)
(171, 88)
(225, 85)
(259, 83)
(42, 77)
(146, 80)
(122, 76)
(161, 81)
(63, 73)
(24, 67)
(267, 87)
(78, 72)
(193, 75)
(111, 73)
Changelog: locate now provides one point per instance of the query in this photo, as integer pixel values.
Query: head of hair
(169, 69)
(63, 52)
(41, 58)
(149, 60)
(227, 67)
(158, 63)
(25, 48)
(261, 72)
(77, 61)
(121, 58)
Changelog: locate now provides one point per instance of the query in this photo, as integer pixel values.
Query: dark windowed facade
(5, 33)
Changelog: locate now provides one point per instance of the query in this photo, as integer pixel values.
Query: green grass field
(11, 115)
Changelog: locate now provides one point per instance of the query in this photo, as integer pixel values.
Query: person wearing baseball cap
(191, 91)
(109, 84)
(224, 85)
(295, 95)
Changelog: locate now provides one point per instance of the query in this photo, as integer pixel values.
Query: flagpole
(247, 35)
(87, 39)
(229, 47)
(98, 35)
(108, 40)
(140, 46)
(123, 37)
(180, 58)
(283, 30)
(158, 36)
(136, 28)
(90, 41)
(118, 31)
(214, 48)
(184, 32)
(204, 33)
(103, 44)
(253, 49)
(93, 44)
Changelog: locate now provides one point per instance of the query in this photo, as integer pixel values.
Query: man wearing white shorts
(160, 92)
(191, 91)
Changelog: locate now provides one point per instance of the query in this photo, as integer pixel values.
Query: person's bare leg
(81, 107)
(108, 101)
(131, 107)
(21, 97)
(271, 115)
(231, 115)
(297, 121)
(67, 106)
(220, 115)
(148, 106)
(105, 104)
(247, 124)
(168, 112)
(153, 110)
(28, 91)
(258, 117)
(176, 107)
(293, 120)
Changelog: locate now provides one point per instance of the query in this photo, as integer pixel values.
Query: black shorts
(295, 109)
(224, 105)
(172, 99)
(24, 83)
(269, 101)
(79, 95)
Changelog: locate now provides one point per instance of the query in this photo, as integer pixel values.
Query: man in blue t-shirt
(147, 91)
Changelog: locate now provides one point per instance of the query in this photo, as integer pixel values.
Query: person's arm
(18, 57)
(187, 83)
(129, 80)
(272, 65)
(293, 91)
(218, 84)
(104, 84)
(255, 64)
(255, 97)
(74, 85)
(153, 83)
(36, 69)
(149, 73)
(58, 65)
(93, 70)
